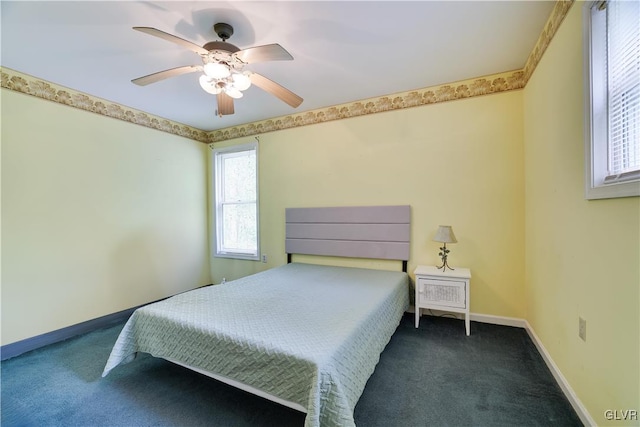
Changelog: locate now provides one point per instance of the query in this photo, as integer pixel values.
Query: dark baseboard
(17, 348)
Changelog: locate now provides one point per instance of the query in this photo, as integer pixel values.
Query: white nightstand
(446, 291)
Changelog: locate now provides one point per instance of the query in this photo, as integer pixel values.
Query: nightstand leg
(466, 323)
(417, 317)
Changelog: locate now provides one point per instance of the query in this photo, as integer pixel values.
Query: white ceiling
(343, 51)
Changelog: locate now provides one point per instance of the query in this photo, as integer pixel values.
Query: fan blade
(225, 104)
(268, 52)
(275, 89)
(173, 39)
(161, 75)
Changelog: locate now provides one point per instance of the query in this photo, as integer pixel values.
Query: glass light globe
(241, 81)
(216, 70)
(209, 85)
(233, 92)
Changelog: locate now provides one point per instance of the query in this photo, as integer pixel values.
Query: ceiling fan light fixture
(209, 85)
(241, 81)
(223, 65)
(216, 70)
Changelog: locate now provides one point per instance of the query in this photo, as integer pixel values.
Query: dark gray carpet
(431, 376)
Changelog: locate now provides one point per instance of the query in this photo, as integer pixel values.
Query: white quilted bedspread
(305, 333)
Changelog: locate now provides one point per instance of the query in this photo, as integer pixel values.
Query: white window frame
(598, 185)
(216, 204)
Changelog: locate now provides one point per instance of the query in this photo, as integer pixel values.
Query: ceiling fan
(223, 67)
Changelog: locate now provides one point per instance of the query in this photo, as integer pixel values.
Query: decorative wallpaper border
(431, 95)
(24, 83)
(494, 83)
(560, 10)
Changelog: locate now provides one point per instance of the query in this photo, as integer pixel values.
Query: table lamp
(444, 235)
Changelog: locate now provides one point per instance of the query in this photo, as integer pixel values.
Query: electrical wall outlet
(582, 329)
(264, 258)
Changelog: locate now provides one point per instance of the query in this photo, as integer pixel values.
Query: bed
(305, 336)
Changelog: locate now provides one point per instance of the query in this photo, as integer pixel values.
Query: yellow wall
(457, 163)
(98, 215)
(582, 257)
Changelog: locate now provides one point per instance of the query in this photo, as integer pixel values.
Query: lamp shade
(241, 81)
(209, 85)
(445, 235)
(233, 92)
(216, 70)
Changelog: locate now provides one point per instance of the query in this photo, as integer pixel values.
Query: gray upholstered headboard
(377, 232)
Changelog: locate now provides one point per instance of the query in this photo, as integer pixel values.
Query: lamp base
(444, 266)
(444, 252)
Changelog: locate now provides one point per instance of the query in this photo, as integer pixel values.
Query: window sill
(613, 191)
(246, 257)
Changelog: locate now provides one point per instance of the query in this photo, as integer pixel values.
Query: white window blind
(623, 76)
(612, 96)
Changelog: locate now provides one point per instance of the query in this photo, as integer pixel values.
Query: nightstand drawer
(448, 293)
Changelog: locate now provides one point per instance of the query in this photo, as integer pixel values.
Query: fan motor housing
(224, 31)
(227, 47)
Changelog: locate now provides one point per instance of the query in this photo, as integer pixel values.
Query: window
(612, 62)
(235, 173)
